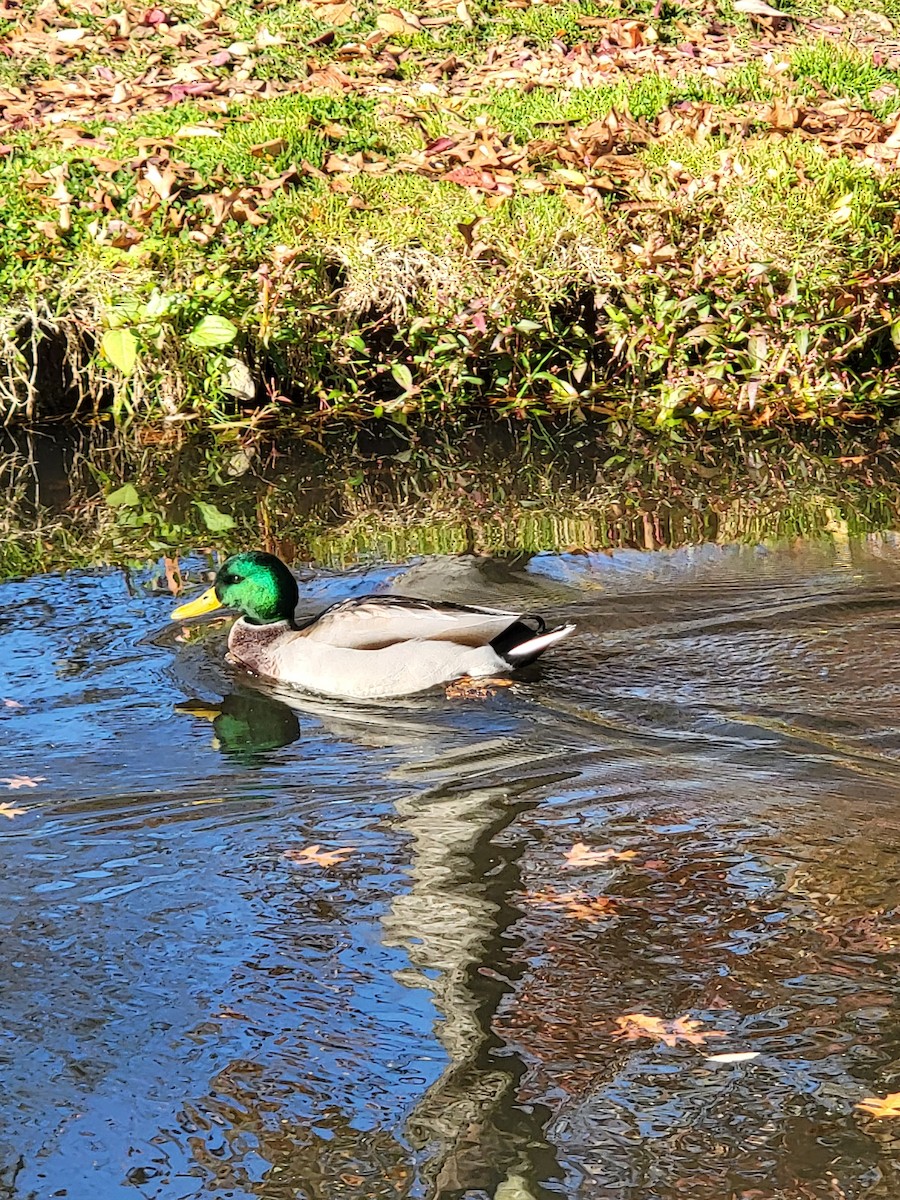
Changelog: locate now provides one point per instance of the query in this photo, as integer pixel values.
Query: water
(190, 1010)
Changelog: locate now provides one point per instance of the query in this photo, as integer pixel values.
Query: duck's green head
(258, 585)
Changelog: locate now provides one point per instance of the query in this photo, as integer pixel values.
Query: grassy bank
(655, 213)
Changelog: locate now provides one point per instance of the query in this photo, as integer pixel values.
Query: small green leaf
(403, 376)
(124, 497)
(212, 331)
(126, 312)
(213, 518)
(157, 306)
(120, 347)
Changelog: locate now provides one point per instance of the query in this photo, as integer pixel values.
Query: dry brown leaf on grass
(887, 1106)
(162, 182)
(397, 21)
(334, 14)
(269, 149)
(322, 858)
(14, 782)
(757, 8)
(682, 1029)
(582, 855)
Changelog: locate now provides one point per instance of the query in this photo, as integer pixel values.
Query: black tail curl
(514, 635)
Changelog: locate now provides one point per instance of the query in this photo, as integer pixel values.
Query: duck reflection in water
(452, 922)
(246, 724)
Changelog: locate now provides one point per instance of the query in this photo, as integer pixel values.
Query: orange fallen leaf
(581, 855)
(9, 811)
(14, 782)
(475, 689)
(682, 1029)
(889, 1106)
(315, 854)
(577, 905)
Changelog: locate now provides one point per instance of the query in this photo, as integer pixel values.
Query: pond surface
(191, 1008)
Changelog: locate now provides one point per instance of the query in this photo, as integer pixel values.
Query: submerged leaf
(682, 1029)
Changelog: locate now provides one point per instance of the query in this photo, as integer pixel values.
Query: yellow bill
(206, 603)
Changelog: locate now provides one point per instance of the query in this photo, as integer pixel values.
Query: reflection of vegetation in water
(107, 499)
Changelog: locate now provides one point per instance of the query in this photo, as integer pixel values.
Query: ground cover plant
(658, 213)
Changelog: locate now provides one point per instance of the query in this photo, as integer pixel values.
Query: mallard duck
(371, 647)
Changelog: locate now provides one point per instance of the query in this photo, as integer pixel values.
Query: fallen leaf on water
(682, 1029)
(9, 811)
(315, 854)
(7, 703)
(581, 855)
(577, 905)
(875, 1106)
(14, 782)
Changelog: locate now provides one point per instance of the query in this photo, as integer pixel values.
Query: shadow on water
(453, 1008)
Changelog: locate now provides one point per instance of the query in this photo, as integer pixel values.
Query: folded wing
(373, 622)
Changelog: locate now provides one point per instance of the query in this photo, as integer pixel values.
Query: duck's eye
(230, 579)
